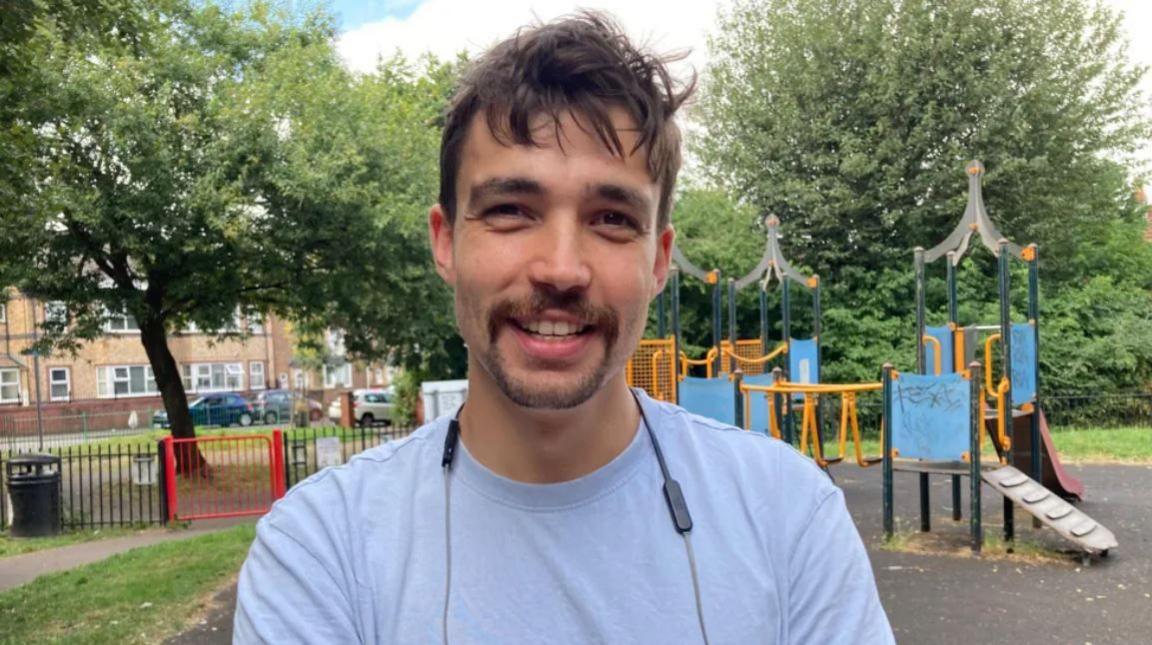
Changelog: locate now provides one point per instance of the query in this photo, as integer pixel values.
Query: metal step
(1054, 512)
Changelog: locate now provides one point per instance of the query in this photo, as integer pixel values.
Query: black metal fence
(307, 450)
(120, 482)
(103, 485)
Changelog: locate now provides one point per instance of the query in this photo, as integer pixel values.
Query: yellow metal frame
(653, 368)
(939, 351)
(759, 361)
(708, 360)
(849, 415)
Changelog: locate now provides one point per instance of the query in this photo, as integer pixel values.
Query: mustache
(604, 319)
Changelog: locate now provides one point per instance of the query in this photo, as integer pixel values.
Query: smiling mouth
(552, 329)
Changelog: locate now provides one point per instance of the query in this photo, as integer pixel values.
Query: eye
(616, 219)
(507, 216)
(504, 210)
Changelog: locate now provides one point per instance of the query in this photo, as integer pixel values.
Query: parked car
(369, 407)
(217, 409)
(276, 406)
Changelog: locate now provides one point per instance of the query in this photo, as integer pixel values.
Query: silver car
(369, 407)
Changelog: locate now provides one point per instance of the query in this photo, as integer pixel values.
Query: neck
(546, 446)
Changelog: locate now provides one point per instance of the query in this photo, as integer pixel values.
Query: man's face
(554, 258)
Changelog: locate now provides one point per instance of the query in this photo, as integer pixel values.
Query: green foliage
(183, 162)
(407, 398)
(853, 121)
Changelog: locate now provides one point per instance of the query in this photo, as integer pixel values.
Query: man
(558, 506)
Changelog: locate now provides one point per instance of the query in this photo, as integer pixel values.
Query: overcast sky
(370, 28)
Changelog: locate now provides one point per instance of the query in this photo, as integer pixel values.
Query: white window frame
(255, 383)
(337, 376)
(109, 376)
(4, 312)
(122, 318)
(213, 377)
(67, 383)
(10, 381)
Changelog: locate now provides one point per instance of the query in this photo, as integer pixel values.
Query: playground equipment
(929, 413)
(736, 386)
(663, 368)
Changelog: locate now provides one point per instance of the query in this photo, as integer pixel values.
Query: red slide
(1056, 479)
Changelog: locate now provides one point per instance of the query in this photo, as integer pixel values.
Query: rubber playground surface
(961, 599)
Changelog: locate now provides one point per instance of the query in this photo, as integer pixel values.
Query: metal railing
(103, 485)
(123, 483)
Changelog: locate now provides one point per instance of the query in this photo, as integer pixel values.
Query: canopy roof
(772, 263)
(975, 220)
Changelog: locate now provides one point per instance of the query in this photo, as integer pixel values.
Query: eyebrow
(504, 186)
(622, 194)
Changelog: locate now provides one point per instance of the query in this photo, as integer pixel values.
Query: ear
(440, 234)
(663, 258)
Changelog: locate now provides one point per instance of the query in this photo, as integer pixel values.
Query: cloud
(446, 27)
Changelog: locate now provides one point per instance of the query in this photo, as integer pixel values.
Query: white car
(369, 407)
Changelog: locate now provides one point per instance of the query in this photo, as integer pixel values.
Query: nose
(560, 262)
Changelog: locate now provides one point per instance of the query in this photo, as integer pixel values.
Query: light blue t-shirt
(357, 553)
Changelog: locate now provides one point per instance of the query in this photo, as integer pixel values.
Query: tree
(220, 166)
(853, 121)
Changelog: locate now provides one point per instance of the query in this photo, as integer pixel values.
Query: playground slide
(1056, 479)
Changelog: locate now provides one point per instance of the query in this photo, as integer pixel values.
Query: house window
(338, 376)
(60, 383)
(9, 386)
(256, 375)
(125, 380)
(213, 377)
(120, 322)
(3, 313)
(55, 312)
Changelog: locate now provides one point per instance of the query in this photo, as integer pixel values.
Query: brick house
(111, 376)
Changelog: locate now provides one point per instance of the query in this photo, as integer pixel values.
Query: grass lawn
(16, 546)
(141, 596)
(1130, 445)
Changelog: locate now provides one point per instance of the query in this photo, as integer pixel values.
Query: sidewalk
(20, 569)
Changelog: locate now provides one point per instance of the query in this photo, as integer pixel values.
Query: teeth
(551, 328)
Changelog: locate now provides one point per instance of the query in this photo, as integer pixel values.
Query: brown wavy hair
(581, 65)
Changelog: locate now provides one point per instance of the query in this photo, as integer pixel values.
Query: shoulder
(745, 456)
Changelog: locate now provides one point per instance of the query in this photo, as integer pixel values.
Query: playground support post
(661, 328)
(977, 423)
(817, 312)
(1006, 369)
(716, 320)
(778, 406)
(954, 318)
(1034, 318)
(886, 449)
(738, 398)
(763, 318)
(921, 368)
(786, 331)
(732, 337)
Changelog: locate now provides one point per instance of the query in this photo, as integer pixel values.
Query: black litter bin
(34, 487)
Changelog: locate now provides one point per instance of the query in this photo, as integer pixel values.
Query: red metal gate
(238, 475)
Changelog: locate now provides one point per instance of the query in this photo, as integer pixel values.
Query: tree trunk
(154, 336)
